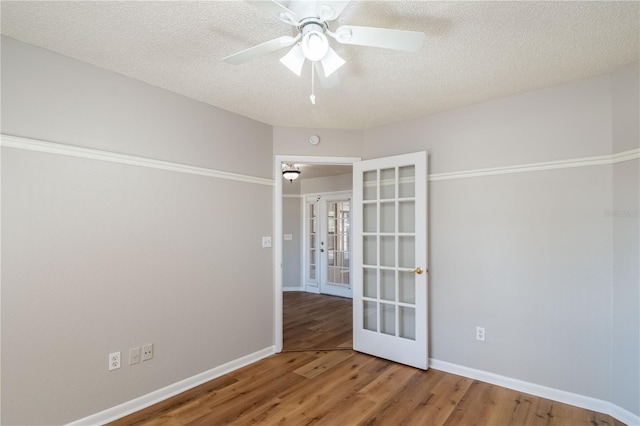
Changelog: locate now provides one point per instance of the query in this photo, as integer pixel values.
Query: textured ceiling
(474, 51)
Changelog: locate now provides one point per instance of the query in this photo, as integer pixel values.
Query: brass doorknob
(418, 270)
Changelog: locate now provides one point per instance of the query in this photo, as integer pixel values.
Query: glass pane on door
(312, 241)
(338, 241)
(388, 243)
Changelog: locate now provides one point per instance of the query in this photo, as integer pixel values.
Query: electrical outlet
(147, 352)
(266, 242)
(114, 361)
(480, 333)
(134, 355)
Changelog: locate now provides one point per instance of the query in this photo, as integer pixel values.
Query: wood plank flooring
(343, 387)
(315, 321)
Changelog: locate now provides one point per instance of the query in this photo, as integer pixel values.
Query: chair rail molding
(8, 141)
(599, 160)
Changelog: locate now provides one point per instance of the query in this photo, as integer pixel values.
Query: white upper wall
(80, 104)
(334, 183)
(625, 86)
(295, 141)
(560, 122)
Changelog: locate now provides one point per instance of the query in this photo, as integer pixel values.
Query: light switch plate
(134, 355)
(266, 242)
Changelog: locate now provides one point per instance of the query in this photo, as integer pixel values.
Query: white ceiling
(474, 51)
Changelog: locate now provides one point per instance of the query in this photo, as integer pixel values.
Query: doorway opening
(280, 237)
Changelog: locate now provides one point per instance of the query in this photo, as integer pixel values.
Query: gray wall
(100, 257)
(527, 256)
(295, 141)
(292, 249)
(532, 257)
(334, 183)
(626, 242)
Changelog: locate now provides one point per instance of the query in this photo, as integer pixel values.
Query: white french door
(389, 253)
(335, 246)
(328, 244)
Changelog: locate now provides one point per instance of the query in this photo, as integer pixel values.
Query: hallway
(316, 322)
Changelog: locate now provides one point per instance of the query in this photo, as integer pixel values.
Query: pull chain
(313, 73)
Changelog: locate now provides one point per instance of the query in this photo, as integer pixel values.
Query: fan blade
(294, 60)
(329, 10)
(386, 38)
(331, 62)
(260, 50)
(274, 8)
(326, 81)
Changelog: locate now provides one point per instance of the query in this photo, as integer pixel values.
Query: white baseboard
(159, 395)
(623, 415)
(539, 390)
(292, 289)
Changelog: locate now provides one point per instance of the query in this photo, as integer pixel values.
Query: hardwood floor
(315, 321)
(343, 387)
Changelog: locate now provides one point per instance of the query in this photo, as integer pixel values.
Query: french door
(390, 258)
(335, 250)
(328, 228)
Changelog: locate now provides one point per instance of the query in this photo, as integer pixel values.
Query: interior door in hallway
(335, 245)
(390, 258)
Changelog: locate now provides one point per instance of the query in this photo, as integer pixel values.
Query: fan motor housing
(311, 25)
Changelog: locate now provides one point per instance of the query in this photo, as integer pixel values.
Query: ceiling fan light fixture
(294, 60)
(331, 62)
(314, 45)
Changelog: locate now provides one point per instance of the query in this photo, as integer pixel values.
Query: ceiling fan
(312, 19)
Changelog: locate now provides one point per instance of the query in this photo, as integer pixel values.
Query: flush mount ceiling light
(290, 172)
(311, 19)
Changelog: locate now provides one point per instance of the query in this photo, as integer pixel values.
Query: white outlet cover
(114, 361)
(147, 352)
(266, 242)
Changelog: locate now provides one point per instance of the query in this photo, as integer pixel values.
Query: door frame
(278, 233)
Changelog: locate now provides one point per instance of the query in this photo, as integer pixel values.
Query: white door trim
(277, 230)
